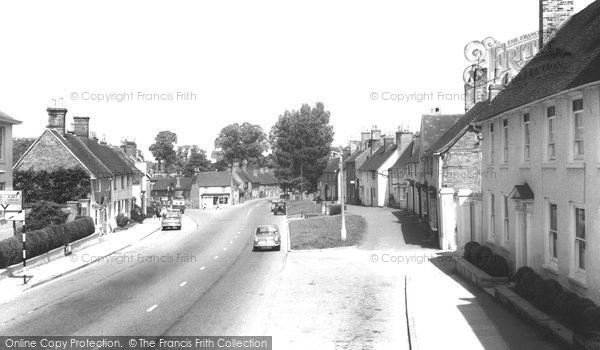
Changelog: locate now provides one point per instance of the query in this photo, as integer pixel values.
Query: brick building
(111, 176)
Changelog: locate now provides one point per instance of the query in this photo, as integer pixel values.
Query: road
(198, 281)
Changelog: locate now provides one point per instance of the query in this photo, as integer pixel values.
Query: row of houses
(518, 172)
(217, 189)
(120, 178)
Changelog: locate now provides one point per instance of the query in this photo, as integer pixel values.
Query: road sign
(11, 200)
(14, 215)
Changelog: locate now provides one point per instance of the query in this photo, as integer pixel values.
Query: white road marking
(216, 257)
(230, 242)
(183, 284)
(224, 249)
(152, 308)
(202, 268)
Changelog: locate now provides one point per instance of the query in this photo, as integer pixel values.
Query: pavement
(101, 247)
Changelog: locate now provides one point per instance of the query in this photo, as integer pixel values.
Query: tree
(301, 142)
(20, 146)
(163, 149)
(59, 186)
(238, 142)
(196, 162)
(44, 213)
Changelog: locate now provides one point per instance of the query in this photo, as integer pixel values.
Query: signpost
(11, 204)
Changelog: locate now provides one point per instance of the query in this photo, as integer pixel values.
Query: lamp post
(341, 195)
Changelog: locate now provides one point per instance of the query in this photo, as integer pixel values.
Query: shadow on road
(412, 230)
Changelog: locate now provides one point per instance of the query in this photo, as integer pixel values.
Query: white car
(267, 237)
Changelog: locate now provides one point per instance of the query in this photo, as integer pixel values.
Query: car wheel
(278, 248)
(179, 228)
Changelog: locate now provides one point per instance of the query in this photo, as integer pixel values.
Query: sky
(192, 67)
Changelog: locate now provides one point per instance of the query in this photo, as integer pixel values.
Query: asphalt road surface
(197, 281)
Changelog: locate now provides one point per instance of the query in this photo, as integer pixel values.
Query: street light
(341, 185)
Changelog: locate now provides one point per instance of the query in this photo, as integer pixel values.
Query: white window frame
(551, 235)
(505, 140)
(506, 221)
(577, 132)
(492, 228)
(492, 142)
(550, 120)
(578, 241)
(526, 137)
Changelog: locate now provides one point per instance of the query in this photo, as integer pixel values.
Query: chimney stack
(365, 135)
(56, 119)
(553, 13)
(403, 139)
(82, 126)
(375, 133)
(130, 148)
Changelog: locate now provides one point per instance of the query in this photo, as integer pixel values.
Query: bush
(470, 248)
(525, 285)
(520, 272)
(137, 215)
(545, 293)
(591, 319)
(11, 251)
(335, 209)
(575, 320)
(44, 213)
(495, 265)
(564, 304)
(481, 253)
(122, 220)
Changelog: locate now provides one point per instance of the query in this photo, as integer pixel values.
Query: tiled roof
(571, 59)
(378, 158)
(267, 179)
(353, 156)
(217, 179)
(404, 157)
(433, 126)
(458, 129)
(245, 175)
(333, 165)
(5, 118)
(185, 183)
(80, 150)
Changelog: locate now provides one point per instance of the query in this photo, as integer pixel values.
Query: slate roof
(5, 118)
(185, 183)
(378, 158)
(216, 179)
(433, 126)
(569, 60)
(353, 156)
(522, 192)
(458, 130)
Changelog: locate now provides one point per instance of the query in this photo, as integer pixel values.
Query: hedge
(483, 258)
(335, 209)
(44, 240)
(579, 314)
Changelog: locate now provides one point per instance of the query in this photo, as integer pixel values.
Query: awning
(522, 192)
(215, 194)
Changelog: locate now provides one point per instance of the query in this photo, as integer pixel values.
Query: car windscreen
(171, 216)
(265, 230)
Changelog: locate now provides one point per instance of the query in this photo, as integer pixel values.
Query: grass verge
(306, 206)
(324, 232)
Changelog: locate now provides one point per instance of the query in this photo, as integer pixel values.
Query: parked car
(171, 220)
(267, 237)
(280, 208)
(179, 203)
(274, 203)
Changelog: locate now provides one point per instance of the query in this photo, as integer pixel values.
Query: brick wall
(48, 154)
(552, 14)
(462, 165)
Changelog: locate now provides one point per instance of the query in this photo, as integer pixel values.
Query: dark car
(280, 208)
